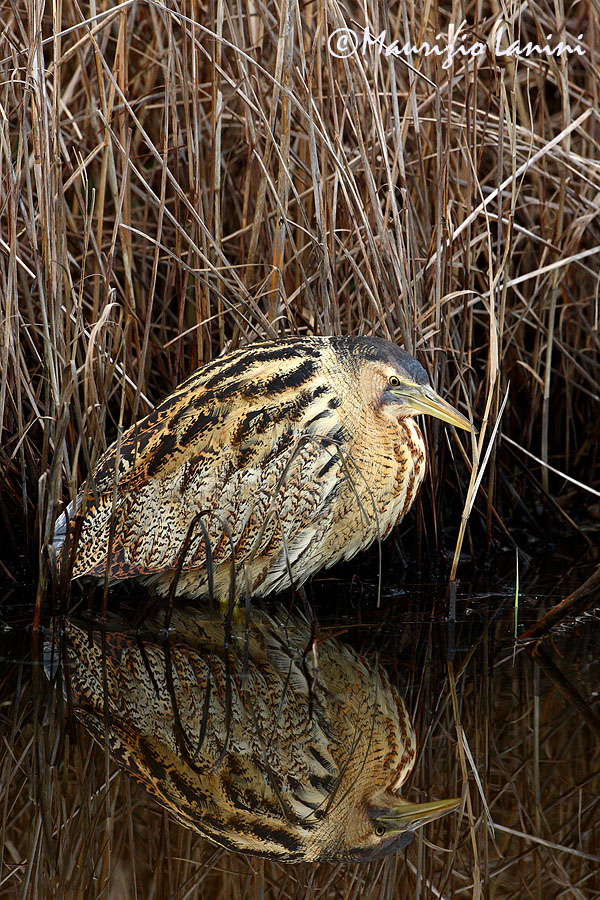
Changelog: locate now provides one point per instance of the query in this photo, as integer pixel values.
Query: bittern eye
(381, 829)
(394, 380)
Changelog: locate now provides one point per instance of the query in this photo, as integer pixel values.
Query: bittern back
(266, 465)
(269, 740)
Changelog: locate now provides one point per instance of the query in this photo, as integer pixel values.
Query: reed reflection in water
(258, 734)
(513, 730)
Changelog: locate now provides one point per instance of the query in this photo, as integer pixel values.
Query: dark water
(513, 728)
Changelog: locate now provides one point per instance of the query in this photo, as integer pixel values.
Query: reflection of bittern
(276, 460)
(259, 740)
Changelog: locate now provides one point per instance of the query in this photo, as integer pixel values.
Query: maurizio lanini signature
(345, 42)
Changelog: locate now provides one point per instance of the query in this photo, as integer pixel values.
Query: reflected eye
(394, 381)
(380, 829)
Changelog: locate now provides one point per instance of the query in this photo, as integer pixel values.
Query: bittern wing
(246, 443)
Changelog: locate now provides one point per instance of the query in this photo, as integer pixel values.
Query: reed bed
(177, 179)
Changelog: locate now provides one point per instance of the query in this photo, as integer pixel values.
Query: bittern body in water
(263, 741)
(271, 462)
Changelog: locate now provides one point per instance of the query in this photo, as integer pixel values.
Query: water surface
(512, 728)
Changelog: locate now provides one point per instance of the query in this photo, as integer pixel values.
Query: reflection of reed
(259, 736)
(73, 826)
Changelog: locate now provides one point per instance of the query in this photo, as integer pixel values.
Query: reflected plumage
(259, 739)
(283, 457)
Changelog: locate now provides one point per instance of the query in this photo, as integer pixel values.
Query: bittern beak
(423, 399)
(413, 815)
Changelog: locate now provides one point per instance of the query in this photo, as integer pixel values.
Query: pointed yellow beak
(414, 815)
(423, 399)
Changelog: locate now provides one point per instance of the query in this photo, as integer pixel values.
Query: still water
(510, 728)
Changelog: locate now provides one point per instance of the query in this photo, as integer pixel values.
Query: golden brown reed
(175, 181)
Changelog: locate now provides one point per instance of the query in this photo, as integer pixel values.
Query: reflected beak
(423, 399)
(414, 815)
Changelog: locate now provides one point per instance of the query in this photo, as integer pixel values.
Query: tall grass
(176, 180)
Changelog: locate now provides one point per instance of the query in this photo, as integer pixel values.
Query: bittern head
(390, 823)
(397, 384)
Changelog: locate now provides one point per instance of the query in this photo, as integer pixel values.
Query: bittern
(263, 741)
(266, 465)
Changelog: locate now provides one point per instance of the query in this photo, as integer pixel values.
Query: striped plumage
(273, 756)
(294, 454)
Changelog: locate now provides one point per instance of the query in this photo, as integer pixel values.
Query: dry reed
(178, 178)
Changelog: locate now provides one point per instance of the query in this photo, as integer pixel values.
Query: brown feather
(258, 749)
(283, 451)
